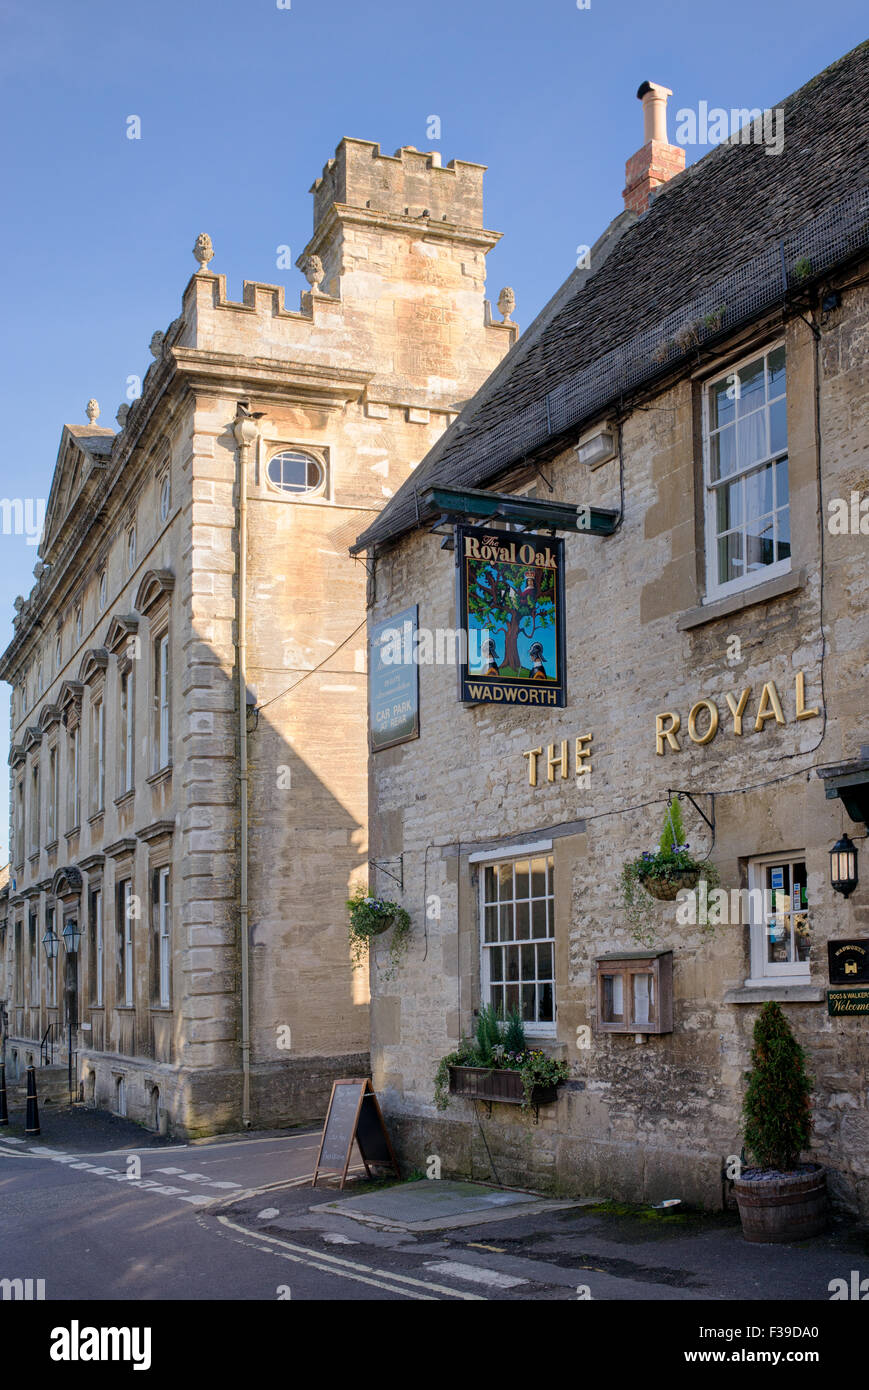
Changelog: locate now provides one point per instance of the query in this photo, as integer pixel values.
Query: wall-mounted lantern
(843, 866)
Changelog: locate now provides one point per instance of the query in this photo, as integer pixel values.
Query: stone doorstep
(468, 1204)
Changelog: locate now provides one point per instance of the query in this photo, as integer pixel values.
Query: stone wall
(657, 1120)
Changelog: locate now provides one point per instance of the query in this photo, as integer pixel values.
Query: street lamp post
(71, 939)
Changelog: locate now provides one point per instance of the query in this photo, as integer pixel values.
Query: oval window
(164, 498)
(293, 471)
(103, 588)
(131, 549)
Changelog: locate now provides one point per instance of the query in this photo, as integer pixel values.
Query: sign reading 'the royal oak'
(511, 606)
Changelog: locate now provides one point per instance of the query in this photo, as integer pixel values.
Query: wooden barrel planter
(501, 1084)
(791, 1206)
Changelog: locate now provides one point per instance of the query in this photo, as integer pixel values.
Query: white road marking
(349, 1269)
(475, 1274)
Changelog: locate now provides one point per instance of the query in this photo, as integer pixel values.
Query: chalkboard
(353, 1114)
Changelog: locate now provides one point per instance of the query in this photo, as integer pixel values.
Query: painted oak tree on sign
(510, 601)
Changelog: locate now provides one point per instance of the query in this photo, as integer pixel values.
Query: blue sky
(242, 102)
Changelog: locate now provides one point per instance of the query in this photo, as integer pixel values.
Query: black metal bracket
(675, 791)
(382, 863)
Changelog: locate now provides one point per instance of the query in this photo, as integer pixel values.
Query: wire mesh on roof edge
(756, 286)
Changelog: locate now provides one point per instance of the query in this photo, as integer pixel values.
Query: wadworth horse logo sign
(511, 601)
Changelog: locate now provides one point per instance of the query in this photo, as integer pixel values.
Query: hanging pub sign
(511, 609)
(849, 962)
(393, 681)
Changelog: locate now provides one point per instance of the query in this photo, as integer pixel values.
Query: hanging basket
(383, 925)
(666, 888)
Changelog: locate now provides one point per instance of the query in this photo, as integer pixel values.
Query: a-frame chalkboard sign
(353, 1114)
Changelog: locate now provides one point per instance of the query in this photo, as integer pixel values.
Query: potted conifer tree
(780, 1199)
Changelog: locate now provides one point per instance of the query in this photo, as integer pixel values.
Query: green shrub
(777, 1107)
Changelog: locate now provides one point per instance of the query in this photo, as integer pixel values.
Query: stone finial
(314, 273)
(155, 347)
(123, 412)
(38, 570)
(203, 250)
(18, 604)
(93, 411)
(506, 303)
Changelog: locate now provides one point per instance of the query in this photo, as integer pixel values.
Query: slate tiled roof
(717, 215)
(94, 439)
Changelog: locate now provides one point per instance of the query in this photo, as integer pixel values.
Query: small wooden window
(635, 992)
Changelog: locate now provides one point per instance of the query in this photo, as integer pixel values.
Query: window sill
(51, 846)
(794, 992)
(71, 834)
(125, 798)
(744, 598)
(164, 775)
(97, 816)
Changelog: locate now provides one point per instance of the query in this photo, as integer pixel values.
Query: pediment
(121, 629)
(93, 664)
(49, 715)
(155, 585)
(70, 693)
(66, 881)
(82, 459)
(17, 755)
(32, 738)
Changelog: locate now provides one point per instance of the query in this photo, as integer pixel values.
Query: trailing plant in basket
(777, 1107)
(372, 917)
(500, 1046)
(660, 876)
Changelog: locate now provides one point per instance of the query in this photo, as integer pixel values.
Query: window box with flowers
(497, 1065)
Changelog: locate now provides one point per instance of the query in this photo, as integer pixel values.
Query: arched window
(293, 471)
(103, 589)
(164, 498)
(131, 548)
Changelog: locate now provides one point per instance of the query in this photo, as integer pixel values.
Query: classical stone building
(689, 415)
(188, 712)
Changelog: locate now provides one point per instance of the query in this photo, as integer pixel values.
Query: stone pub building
(689, 416)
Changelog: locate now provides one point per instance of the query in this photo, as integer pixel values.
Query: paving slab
(439, 1204)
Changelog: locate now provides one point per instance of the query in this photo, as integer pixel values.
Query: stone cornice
(424, 228)
(122, 627)
(272, 378)
(119, 848)
(157, 830)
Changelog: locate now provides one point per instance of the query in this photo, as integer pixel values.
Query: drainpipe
(245, 429)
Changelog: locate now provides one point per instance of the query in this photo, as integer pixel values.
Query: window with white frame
(125, 901)
(518, 938)
(163, 914)
(161, 702)
(780, 922)
(745, 443)
(98, 755)
(291, 470)
(128, 747)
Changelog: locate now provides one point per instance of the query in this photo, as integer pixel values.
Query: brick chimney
(657, 161)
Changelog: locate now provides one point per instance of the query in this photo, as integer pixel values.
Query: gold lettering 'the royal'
(663, 734)
(802, 712)
(738, 710)
(769, 707)
(554, 760)
(583, 755)
(713, 721)
(532, 754)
